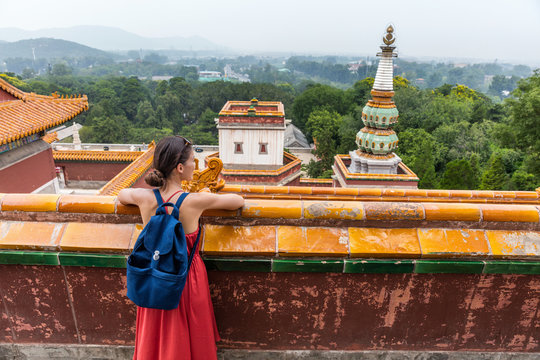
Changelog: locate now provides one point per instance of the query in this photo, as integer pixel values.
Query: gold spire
(389, 38)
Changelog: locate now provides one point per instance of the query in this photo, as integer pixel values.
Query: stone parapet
(307, 274)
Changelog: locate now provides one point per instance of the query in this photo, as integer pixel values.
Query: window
(238, 148)
(263, 148)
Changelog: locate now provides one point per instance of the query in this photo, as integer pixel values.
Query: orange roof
(93, 155)
(50, 137)
(31, 113)
(127, 177)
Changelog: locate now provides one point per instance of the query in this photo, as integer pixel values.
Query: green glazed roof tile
(92, 260)
(448, 267)
(512, 267)
(379, 266)
(238, 264)
(288, 265)
(28, 258)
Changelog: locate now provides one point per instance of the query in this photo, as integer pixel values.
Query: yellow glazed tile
(324, 190)
(301, 190)
(514, 243)
(301, 241)
(482, 194)
(232, 188)
(97, 237)
(257, 189)
(393, 192)
(239, 240)
(393, 211)
(86, 204)
(127, 209)
(373, 242)
(526, 195)
(31, 235)
(289, 209)
(441, 243)
(438, 193)
(346, 192)
(29, 202)
(461, 193)
(136, 232)
(452, 211)
(350, 210)
(283, 190)
(518, 213)
(415, 193)
(369, 192)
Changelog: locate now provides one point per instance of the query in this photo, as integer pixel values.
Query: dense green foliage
(452, 136)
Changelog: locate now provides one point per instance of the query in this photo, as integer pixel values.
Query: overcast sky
(485, 29)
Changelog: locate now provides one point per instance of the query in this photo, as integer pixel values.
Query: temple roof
(23, 114)
(127, 177)
(96, 156)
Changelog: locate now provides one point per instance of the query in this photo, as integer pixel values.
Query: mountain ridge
(109, 38)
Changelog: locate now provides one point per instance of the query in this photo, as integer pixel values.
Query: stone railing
(329, 273)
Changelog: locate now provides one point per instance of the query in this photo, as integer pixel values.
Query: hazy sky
(486, 29)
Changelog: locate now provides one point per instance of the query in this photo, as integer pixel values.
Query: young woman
(189, 331)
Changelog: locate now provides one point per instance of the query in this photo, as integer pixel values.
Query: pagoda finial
(389, 38)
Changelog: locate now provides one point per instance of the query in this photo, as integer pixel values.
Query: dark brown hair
(169, 152)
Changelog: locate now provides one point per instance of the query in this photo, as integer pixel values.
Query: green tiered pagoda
(377, 141)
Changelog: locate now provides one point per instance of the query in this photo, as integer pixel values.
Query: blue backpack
(159, 264)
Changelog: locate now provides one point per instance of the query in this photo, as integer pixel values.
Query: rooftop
(23, 114)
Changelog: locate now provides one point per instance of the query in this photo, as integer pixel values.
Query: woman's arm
(131, 196)
(209, 201)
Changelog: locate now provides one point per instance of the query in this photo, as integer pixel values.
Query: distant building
(251, 142)
(209, 76)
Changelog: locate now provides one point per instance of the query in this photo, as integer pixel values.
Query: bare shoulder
(205, 200)
(136, 196)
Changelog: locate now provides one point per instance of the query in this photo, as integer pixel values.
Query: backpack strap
(158, 197)
(194, 248)
(181, 200)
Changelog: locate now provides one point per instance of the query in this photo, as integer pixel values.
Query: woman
(189, 331)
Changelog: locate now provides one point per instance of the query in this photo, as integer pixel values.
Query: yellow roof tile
(31, 113)
(96, 156)
(127, 177)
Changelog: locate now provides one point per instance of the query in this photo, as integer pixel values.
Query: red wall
(90, 171)
(29, 174)
(297, 311)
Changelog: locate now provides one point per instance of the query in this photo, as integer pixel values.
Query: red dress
(187, 332)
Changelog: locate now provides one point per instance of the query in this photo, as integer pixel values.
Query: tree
(424, 167)
(131, 95)
(525, 112)
(458, 175)
(494, 178)
(317, 97)
(324, 126)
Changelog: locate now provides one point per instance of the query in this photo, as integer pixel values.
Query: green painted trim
(92, 260)
(238, 264)
(287, 265)
(379, 266)
(17, 257)
(448, 267)
(349, 266)
(512, 267)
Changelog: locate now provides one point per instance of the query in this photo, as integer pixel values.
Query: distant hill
(48, 48)
(110, 38)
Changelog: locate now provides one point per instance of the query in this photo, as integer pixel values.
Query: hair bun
(155, 178)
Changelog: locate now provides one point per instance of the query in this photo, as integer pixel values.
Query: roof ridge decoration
(96, 155)
(131, 173)
(207, 178)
